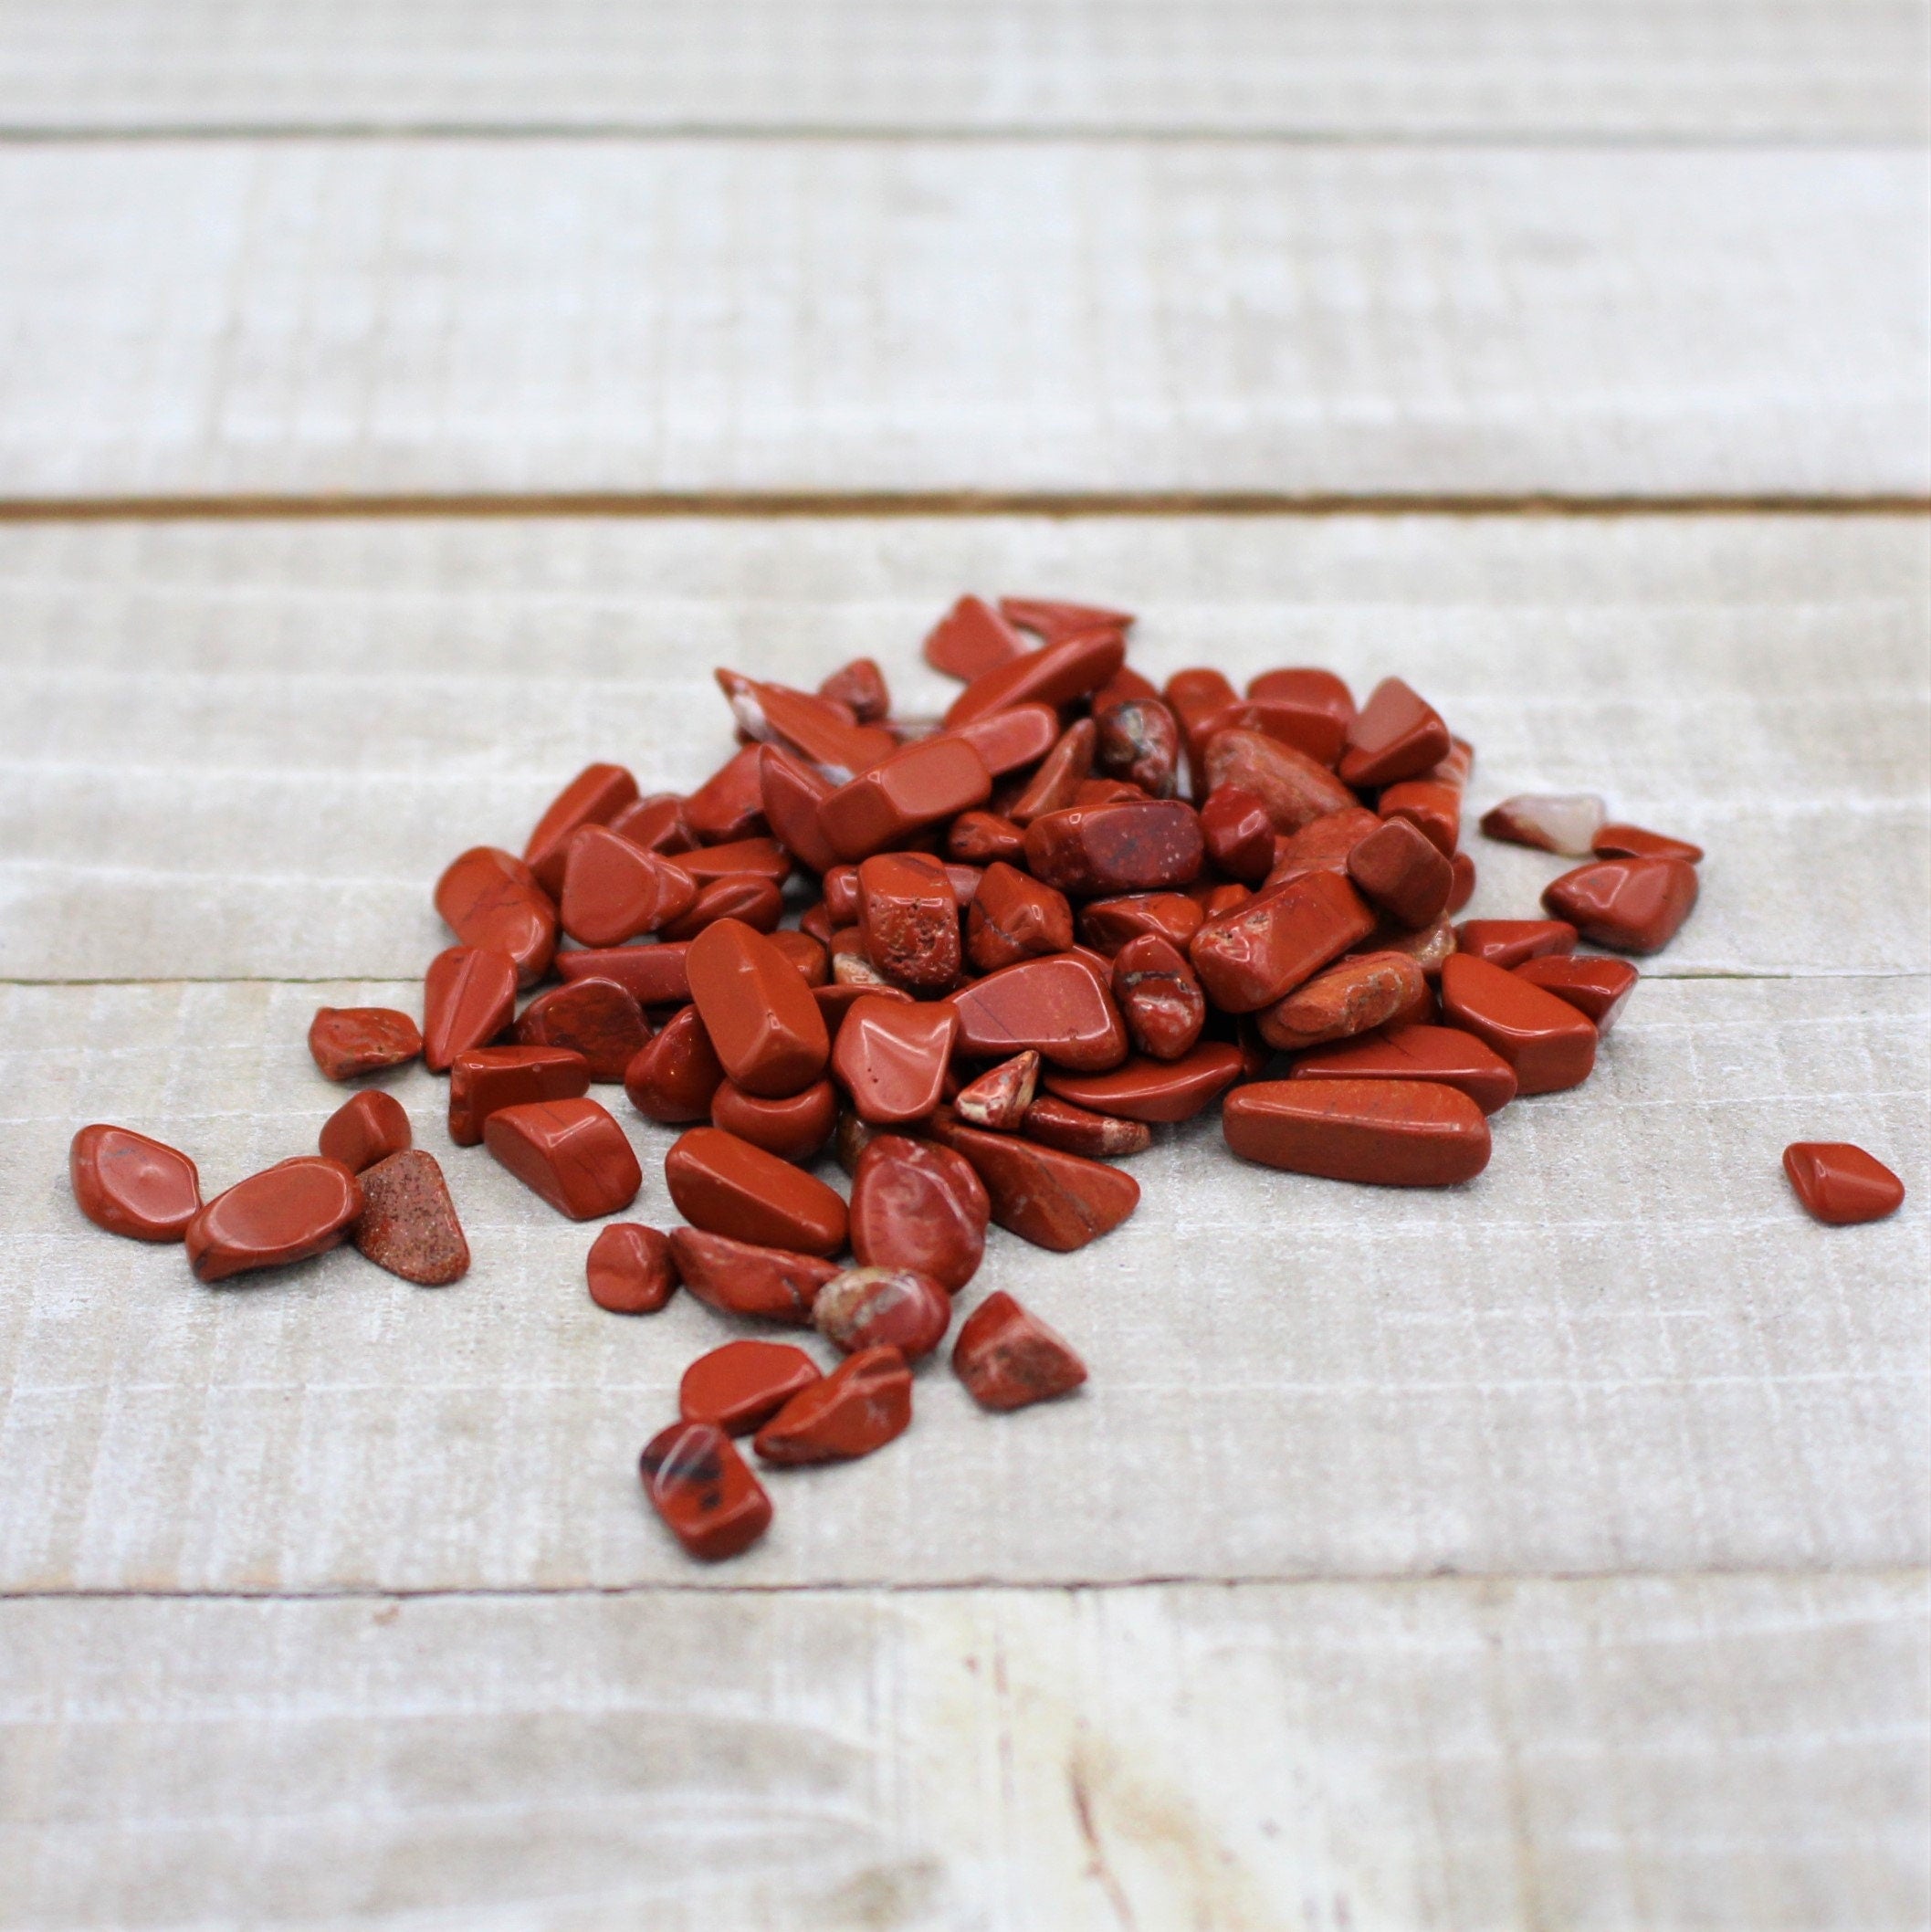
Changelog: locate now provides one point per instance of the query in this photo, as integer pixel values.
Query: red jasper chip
(1239, 834)
(794, 1128)
(1507, 942)
(793, 794)
(1159, 997)
(727, 1186)
(612, 890)
(753, 902)
(1155, 1089)
(1395, 735)
(1431, 806)
(979, 838)
(1596, 987)
(132, 1185)
(1548, 1042)
(675, 1077)
(1444, 1054)
(571, 1152)
(468, 998)
(1057, 1123)
(1054, 1200)
(594, 797)
(1009, 741)
(748, 1277)
(488, 897)
(763, 1023)
(1009, 1358)
(1059, 1005)
(1620, 840)
(1840, 1183)
(1464, 887)
(739, 1387)
(630, 1269)
(1095, 850)
(998, 1099)
(1324, 704)
(596, 1018)
(1388, 1133)
(1056, 783)
(882, 1308)
(970, 639)
(1014, 917)
(729, 803)
(808, 954)
(1107, 925)
(652, 975)
(704, 1491)
(1140, 742)
(918, 786)
(1629, 905)
(860, 1406)
(817, 729)
(289, 1213)
(488, 1077)
(1566, 822)
(655, 823)
(836, 1001)
(920, 1206)
(859, 684)
(346, 1040)
(1370, 989)
(1322, 845)
(1054, 674)
(1293, 789)
(366, 1128)
(408, 1223)
(1260, 952)
(742, 858)
(908, 914)
(1052, 620)
(1399, 870)
(891, 1058)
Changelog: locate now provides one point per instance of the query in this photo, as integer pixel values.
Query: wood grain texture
(1489, 69)
(835, 316)
(246, 751)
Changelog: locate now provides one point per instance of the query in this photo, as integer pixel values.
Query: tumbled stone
(1138, 742)
(860, 686)
(1507, 942)
(1071, 1130)
(727, 1186)
(1366, 991)
(1107, 925)
(1311, 708)
(729, 803)
(630, 1269)
(613, 890)
(1159, 997)
(1008, 1358)
(1840, 1183)
(1053, 786)
(1052, 620)
(1620, 840)
(408, 1223)
(794, 1127)
(1444, 1054)
(741, 858)
(289, 1213)
(919, 785)
(704, 1490)
(740, 1386)
(1399, 871)
(1597, 988)
(1629, 905)
(468, 998)
(970, 639)
(792, 793)
(674, 1079)
(1095, 850)
(596, 1018)
(751, 901)
(1059, 1005)
(1395, 735)
(1054, 1200)
(1239, 834)
(1564, 822)
(981, 838)
(569, 1152)
(908, 914)
(817, 729)
(1294, 789)
(367, 1127)
(808, 954)
(1388, 1133)
(869, 1307)
(919, 1205)
(131, 1185)
(489, 898)
(1548, 1042)
(860, 1406)
(1008, 741)
(891, 1058)
(1259, 953)
(594, 797)
(1432, 806)
(652, 975)
(998, 1099)
(1055, 675)
(1323, 845)
(655, 823)
(488, 1077)
(1463, 888)
(346, 1040)
(1155, 1090)
(763, 1023)
(1015, 917)
(748, 1278)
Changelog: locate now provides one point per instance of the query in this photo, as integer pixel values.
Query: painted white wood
(852, 316)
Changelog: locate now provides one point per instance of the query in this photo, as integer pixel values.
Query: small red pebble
(365, 1128)
(1058, 1124)
(1548, 1042)
(1841, 1184)
(1057, 1004)
(1312, 709)
(1159, 997)
(1008, 1358)
(1162, 1090)
(930, 781)
(704, 1490)
(1014, 917)
(746, 1277)
(1549, 822)
(132, 1185)
(860, 1406)
(729, 803)
(753, 902)
(1095, 850)
(408, 1223)
(1008, 741)
(794, 1128)
(1629, 905)
(727, 1186)
(676, 1076)
(1395, 735)
(970, 639)
(979, 838)
(1366, 991)
(571, 1153)
(350, 1040)
(488, 897)
(612, 890)
(860, 684)
(1054, 1200)
(630, 1270)
(998, 1099)
(1293, 788)
(908, 914)
(920, 1206)
(286, 1213)
(1632, 842)
(1430, 804)
(1507, 942)
(468, 998)
(1596, 987)
(652, 975)
(655, 823)
(1464, 888)
(488, 1077)
(1386, 1133)
(793, 791)
(1259, 953)
(740, 1386)
(1322, 845)
(869, 1307)
(762, 1021)
(891, 1058)
(594, 797)
(1056, 784)
(1239, 834)
(1055, 675)
(1139, 744)
(596, 1018)
(1442, 1054)
(1398, 869)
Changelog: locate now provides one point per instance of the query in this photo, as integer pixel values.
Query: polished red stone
(571, 1152)
(488, 897)
(1311, 708)
(1629, 905)
(1252, 957)
(1053, 786)
(752, 901)
(727, 1186)
(1428, 947)
(596, 1018)
(817, 729)
(1595, 987)
(1139, 741)
(919, 785)
(729, 803)
(1009, 741)
(594, 797)
(1051, 619)
(655, 823)
(795, 1128)
(808, 954)
(748, 1278)
(1444, 1054)
(1507, 942)
(1008, 1358)
(1095, 850)
(1107, 925)
(1399, 872)
(1358, 994)
(1395, 735)
(970, 639)
(908, 914)
(132, 1185)
(1058, 1003)
(1323, 845)
(408, 1223)
(1433, 807)
(1109, 792)
(882, 1308)
(916, 1204)
(346, 1040)
(1055, 674)
(1155, 1090)
(675, 1078)
(980, 838)
(793, 794)
(1463, 890)
(998, 1099)
(367, 1127)
(764, 1025)
(836, 1001)
(630, 1269)
(468, 998)
(860, 686)
(763, 858)
(704, 1491)
(1197, 697)
(1620, 840)
(860, 1406)
(739, 1387)
(1159, 997)
(1293, 789)
(488, 1077)
(1057, 1123)
(1566, 822)
(652, 975)
(1389, 1133)
(1015, 917)
(1054, 1200)
(612, 890)
(286, 1213)
(891, 1056)
(1239, 834)
(1841, 1184)
(1548, 1042)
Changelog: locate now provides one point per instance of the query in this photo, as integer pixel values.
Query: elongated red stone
(1629, 905)
(1239, 834)
(1009, 741)
(346, 1040)
(571, 1152)
(752, 901)
(594, 797)
(794, 1128)
(793, 794)
(980, 838)
(727, 1186)
(998, 1099)
(762, 858)
(860, 1406)
(1595, 987)
(1054, 1200)
(1293, 789)
(1053, 786)
(1565, 822)
(1015, 917)
(908, 914)
(1395, 735)
(1055, 674)
(629, 1268)
(408, 1222)
(970, 639)
(1399, 870)
(596, 1018)
(817, 729)
(898, 1308)
(739, 1387)
(1322, 845)
(916, 786)
(1390, 1133)
(1138, 742)
(1008, 1358)
(612, 890)
(1051, 619)
(1095, 850)
(748, 1278)
(652, 975)
(704, 1491)
(1620, 840)
(1107, 925)
(729, 803)
(1159, 997)
(488, 897)
(132, 1185)
(1507, 942)
(287, 1213)
(1840, 1183)
(919, 1205)
(1432, 805)
(859, 684)
(891, 1058)
(1548, 1042)
(468, 998)
(675, 1078)
(1059, 1124)
(1360, 993)
(1252, 957)
(1145, 1090)
(1444, 1054)
(763, 1023)
(655, 823)
(488, 1077)
(367, 1127)
(1058, 1005)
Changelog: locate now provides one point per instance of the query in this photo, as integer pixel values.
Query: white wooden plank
(247, 749)
(1743, 1753)
(1819, 69)
(542, 316)
(1624, 1346)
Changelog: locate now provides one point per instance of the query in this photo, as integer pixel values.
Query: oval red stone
(1548, 1042)
(286, 1213)
(1058, 1005)
(740, 1386)
(1629, 905)
(132, 1185)
(727, 1186)
(629, 1268)
(869, 1307)
(704, 1490)
(920, 1206)
(1391, 1133)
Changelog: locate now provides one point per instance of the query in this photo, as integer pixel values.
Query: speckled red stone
(1009, 1358)
(408, 1223)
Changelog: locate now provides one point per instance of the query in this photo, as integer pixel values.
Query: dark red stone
(132, 1185)
(1620, 840)
(1107, 925)
(919, 1205)
(1507, 942)
(1095, 850)
(704, 1491)
(908, 914)
(970, 639)
(1399, 871)
(980, 838)
(763, 1023)
(748, 1278)
(1369, 990)
(1239, 834)
(367, 1127)
(919, 785)
(998, 1099)
(1259, 953)
(1444, 1054)
(859, 684)
(1293, 789)
(350, 1040)
(1057, 1123)
(891, 1058)
(795, 1128)
(1159, 997)
(612, 890)
(630, 1269)
(1008, 1358)
(1840, 1183)
(750, 900)
(675, 1078)
(652, 975)
(1055, 674)
(739, 1387)
(1322, 845)
(1009, 741)
(1139, 741)
(860, 1406)
(793, 794)
(655, 823)
(1432, 806)
(1056, 783)
(488, 897)
(596, 1018)
(1015, 917)
(594, 797)
(729, 803)
(488, 1077)
(1597, 988)
(571, 1152)
(408, 1223)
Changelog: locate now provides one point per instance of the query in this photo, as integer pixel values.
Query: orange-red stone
(908, 914)
(286, 1213)
(596, 1018)
(752, 901)
(970, 639)
(1071, 1130)
(132, 1185)
(1015, 917)
(612, 890)
(488, 897)
(1629, 905)
(571, 1152)
(1322, 845)
(919, 1205)
(1008, 1358)
(630, 1270)
(1058, 1005)
(998, 1099)
(1056, 783)
(1107, 925)
(1238, 831)
(488, 1077)
(1399, 870)
(704, 1491)
(346, 1040)
(793, 794)
(1139, 742)
(729, 803)
(1009, 741)
(1548, 1042)
(980, 838)
(367, 1127)
(408, 1223)
(594, 797)
(763, 1023)
(891, 1056)
(925, 782)
(675, 1077)
(1597, 987)
(739, 1387)
(869, 1307)
(727, 1186)
(1293, 788)
(860, 1406)
(1051, 619)
(1055, 674)
(652, 975)
(1390, 1133)
(1620, 840)
(1840, 1183)
(1507, 942)
(1258, 954)
(748, 1277)
(1159, 997)
(860, 686)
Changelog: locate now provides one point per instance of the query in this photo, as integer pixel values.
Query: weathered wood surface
(470, 315)
(1521, 69)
